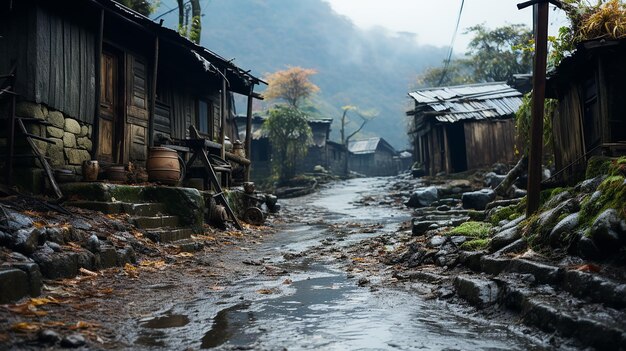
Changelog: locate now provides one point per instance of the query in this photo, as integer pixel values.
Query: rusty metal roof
(467, 102)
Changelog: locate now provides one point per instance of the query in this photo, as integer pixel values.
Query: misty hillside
(369, 69)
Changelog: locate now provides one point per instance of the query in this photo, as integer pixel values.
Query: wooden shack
(372, 157)
(591, 115)
(457, 128)
(110, 82)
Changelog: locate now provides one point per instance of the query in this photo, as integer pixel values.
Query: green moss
(597, 165)
(472, 229)
(475, 215)
(475, 245)
(505, 213)
(613, 192)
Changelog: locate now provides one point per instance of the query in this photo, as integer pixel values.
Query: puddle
(164, 322)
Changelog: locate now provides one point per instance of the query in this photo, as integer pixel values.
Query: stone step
(168, 235)
(135, 209)
(188, 245)
(153, 222)
(593, 324)
(591, 286)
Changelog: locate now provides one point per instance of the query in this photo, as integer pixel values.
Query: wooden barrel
(163, 166)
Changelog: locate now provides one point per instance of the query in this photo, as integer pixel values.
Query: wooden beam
(95, 131)
(249, 133)
(537, 112)
(155, 68)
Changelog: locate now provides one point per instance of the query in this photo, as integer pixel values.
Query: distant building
(464, 127)
(591, 115)
(372, 157)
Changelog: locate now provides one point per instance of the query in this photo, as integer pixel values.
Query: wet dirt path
(302, 298)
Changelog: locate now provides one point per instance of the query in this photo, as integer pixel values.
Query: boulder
(477, 292)
(56, 119)
(563, 228)
(17, 221)
(605, 231)
(423, 197)
(504, 238)
(492, 179)
(55, 132)
(69, 140)
(420, 227)
(71, 126)
(26, 240)
(13, 284)
(75, 156)
(478, 200)
(30, 109)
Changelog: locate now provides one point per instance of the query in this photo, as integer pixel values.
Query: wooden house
(458, 128)
(372, 157)
(591, 114)
(321, 151)
(110, 82)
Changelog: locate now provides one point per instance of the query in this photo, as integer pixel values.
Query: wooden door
(109, 135)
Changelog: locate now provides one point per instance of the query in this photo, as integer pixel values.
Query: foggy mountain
(371, 69)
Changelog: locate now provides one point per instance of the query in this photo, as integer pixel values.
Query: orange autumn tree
(291, 85)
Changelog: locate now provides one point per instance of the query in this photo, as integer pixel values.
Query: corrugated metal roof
(467, 102)
(368, 146)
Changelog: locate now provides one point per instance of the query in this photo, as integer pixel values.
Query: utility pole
(540, 24)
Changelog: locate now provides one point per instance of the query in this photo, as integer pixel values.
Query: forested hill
(369, 69)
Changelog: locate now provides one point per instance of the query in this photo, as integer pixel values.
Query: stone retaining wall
(72, 138)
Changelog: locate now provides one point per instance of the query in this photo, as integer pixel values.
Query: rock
(54, 246)
(55, 132)
(30, 109)
(5, 239)
(93, 243)
(18, 221)
(18, 257)
(57, 235)
(13, 284)
(85, 259)
(69, 140)
(34, 276)
(56, 264)
(75, 156)
(81, 224)
(590, 185)
(545, 174)
(492, 180)
(56, 152)
(518, 193)
(504, 238)
(587, 249)
(84, 143)
(84, 131)
(71, 126)
(420, 227)
(500, 168)
(126, 255)
(561, 229)
(458, 239)
(56, 119)
(477, 292)
(26, 240)
(605, 231)
(73, 341)
(106, 258)
(514, 247)
(557, 199)
(437, 241)
(478, 200)
(363, 281)
(48, 336)
(443, 208)
(423, 197)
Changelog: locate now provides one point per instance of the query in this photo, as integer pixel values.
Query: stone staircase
(164, 214)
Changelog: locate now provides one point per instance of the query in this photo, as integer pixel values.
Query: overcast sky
(433, 20)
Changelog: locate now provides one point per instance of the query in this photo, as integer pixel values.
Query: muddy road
(300, 292)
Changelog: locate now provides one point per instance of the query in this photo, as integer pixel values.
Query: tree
(365, 116)
(492, 56)
(193, 30)
(289, 134)
(144, 7)
(291, 85)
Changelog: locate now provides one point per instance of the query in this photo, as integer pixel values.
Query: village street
(297, 285)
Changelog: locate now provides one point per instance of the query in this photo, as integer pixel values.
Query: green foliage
(523, 122)
(289, 134)
(196, 28)
(478, 230)
(493, 55)
(475, 245)
(144, 7)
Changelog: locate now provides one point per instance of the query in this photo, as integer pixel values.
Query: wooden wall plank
(74, 76)
(43, 67)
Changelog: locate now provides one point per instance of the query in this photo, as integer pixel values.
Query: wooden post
(153, 92)
(540, 18)
(249, 133)
(95, 132)
(223, 113)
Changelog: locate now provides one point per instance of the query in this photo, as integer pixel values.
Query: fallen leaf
(155, 264)
(84, 325)
(88, 272)
(25, 327)
(287, 281)
(358, 259)
(265, 291)
(184, 254)
(588, 268)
